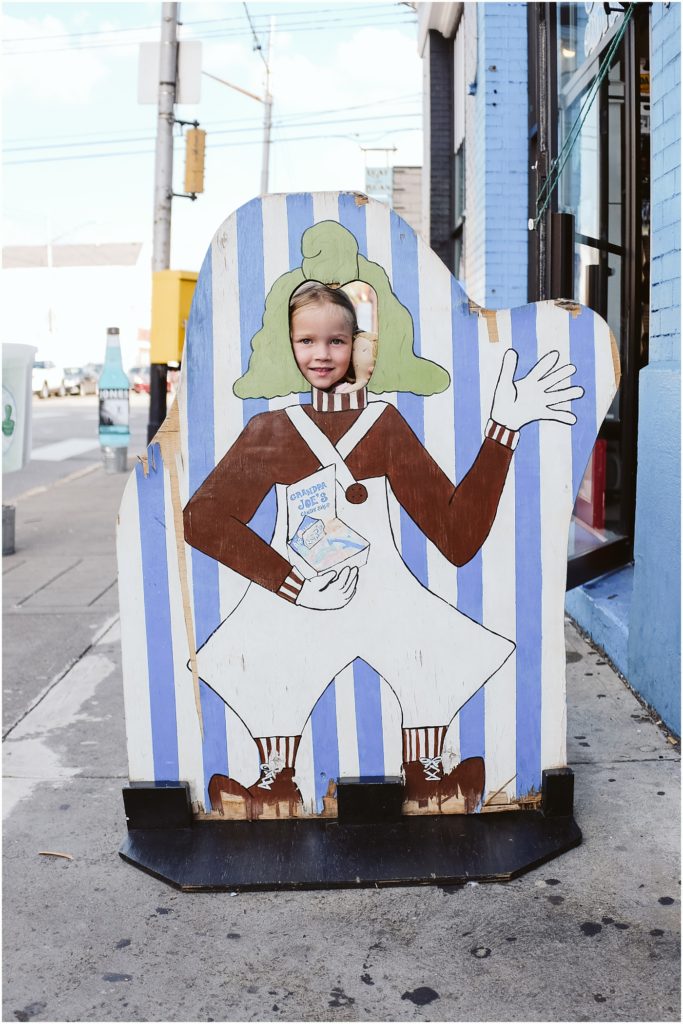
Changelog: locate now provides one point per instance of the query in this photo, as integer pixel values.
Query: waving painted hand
(536, 396)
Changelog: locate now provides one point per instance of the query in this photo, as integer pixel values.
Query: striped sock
(278, 749)
(426, 741)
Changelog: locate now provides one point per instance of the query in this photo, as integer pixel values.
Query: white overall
(270, 660)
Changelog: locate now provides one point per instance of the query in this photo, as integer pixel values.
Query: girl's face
(322, 343)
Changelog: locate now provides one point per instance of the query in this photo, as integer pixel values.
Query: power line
(237, 33)
(70, 138)
(282, 16)
(257, 41)
(220, 145)
(280, 123)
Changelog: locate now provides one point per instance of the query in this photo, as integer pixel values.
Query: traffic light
(195, 140)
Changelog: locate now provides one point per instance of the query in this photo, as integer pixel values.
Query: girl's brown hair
(313, 293)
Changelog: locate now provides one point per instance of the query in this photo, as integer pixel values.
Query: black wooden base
(327, 854)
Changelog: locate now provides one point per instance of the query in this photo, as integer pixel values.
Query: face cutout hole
(333, 333)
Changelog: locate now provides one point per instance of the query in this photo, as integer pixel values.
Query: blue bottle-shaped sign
(114, 396)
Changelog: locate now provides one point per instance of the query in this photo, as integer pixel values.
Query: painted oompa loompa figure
(334, 464)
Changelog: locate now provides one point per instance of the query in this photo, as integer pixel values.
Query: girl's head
(322, 326)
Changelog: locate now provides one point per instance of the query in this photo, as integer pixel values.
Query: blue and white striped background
(514, 585)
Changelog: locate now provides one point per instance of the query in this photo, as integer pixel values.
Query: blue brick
(669, 266)
(655, 323)
(665, 240)
(672, 102)
(666, 184)
(671, 157)
(671, 320)
(661, 295)
(672, 131)
(671, 216)
(656, 62)
(656, 116)
(662, 350)
(671, 46)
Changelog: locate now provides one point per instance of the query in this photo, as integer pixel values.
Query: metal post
(163, 191)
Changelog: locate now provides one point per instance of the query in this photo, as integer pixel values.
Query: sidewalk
(593, 935)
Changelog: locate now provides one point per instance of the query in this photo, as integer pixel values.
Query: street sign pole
(163, 192)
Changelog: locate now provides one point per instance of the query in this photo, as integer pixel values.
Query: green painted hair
(330, 256)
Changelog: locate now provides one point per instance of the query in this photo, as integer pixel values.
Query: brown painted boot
(276, 794)
(422, 785)
(467, 780)
(229, 798)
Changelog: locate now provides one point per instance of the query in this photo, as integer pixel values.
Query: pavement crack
(102, 593)
(60, 778)
(58, 678)
(6, 572)
(47, 584)
(624, 760)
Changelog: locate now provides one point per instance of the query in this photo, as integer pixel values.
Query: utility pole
(163, 191)
(267, 117)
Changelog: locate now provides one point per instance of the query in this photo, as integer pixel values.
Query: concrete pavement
(593, 935)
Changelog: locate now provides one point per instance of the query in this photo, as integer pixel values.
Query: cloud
(55, 74)
(374, 62)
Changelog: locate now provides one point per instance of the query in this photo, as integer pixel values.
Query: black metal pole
(157, 398)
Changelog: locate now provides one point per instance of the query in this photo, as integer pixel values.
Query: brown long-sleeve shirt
(270, 450)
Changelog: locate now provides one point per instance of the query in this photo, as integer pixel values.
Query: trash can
(115, 459)
(17, 364)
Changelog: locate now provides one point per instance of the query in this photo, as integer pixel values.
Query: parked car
(94, 368)
(80, 380)
(139, 379)
(48, 379)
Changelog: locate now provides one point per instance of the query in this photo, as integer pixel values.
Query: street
(65, 440)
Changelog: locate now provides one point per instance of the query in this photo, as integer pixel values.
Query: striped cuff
(291, 587)
(503, 435)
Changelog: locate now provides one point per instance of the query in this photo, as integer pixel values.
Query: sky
(78, 147)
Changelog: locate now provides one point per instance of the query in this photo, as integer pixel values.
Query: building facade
(552, 170)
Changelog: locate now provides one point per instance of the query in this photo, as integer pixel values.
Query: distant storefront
(552, 169)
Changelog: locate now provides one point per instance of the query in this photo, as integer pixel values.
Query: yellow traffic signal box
(172, 292)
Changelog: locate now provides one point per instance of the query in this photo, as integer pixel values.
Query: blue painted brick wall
(666, 183)
(497, 171)
(654, 629)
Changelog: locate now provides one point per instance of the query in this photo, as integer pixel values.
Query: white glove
(536, 396)
(329, 590)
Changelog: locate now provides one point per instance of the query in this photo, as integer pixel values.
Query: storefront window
(571, 30)
(580, 181)
(604, 185)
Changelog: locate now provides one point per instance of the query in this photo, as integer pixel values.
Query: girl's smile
(322, 342)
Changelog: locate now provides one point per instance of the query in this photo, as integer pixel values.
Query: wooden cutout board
(174, 597)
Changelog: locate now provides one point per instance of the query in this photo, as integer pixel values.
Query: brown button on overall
(356, 494)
